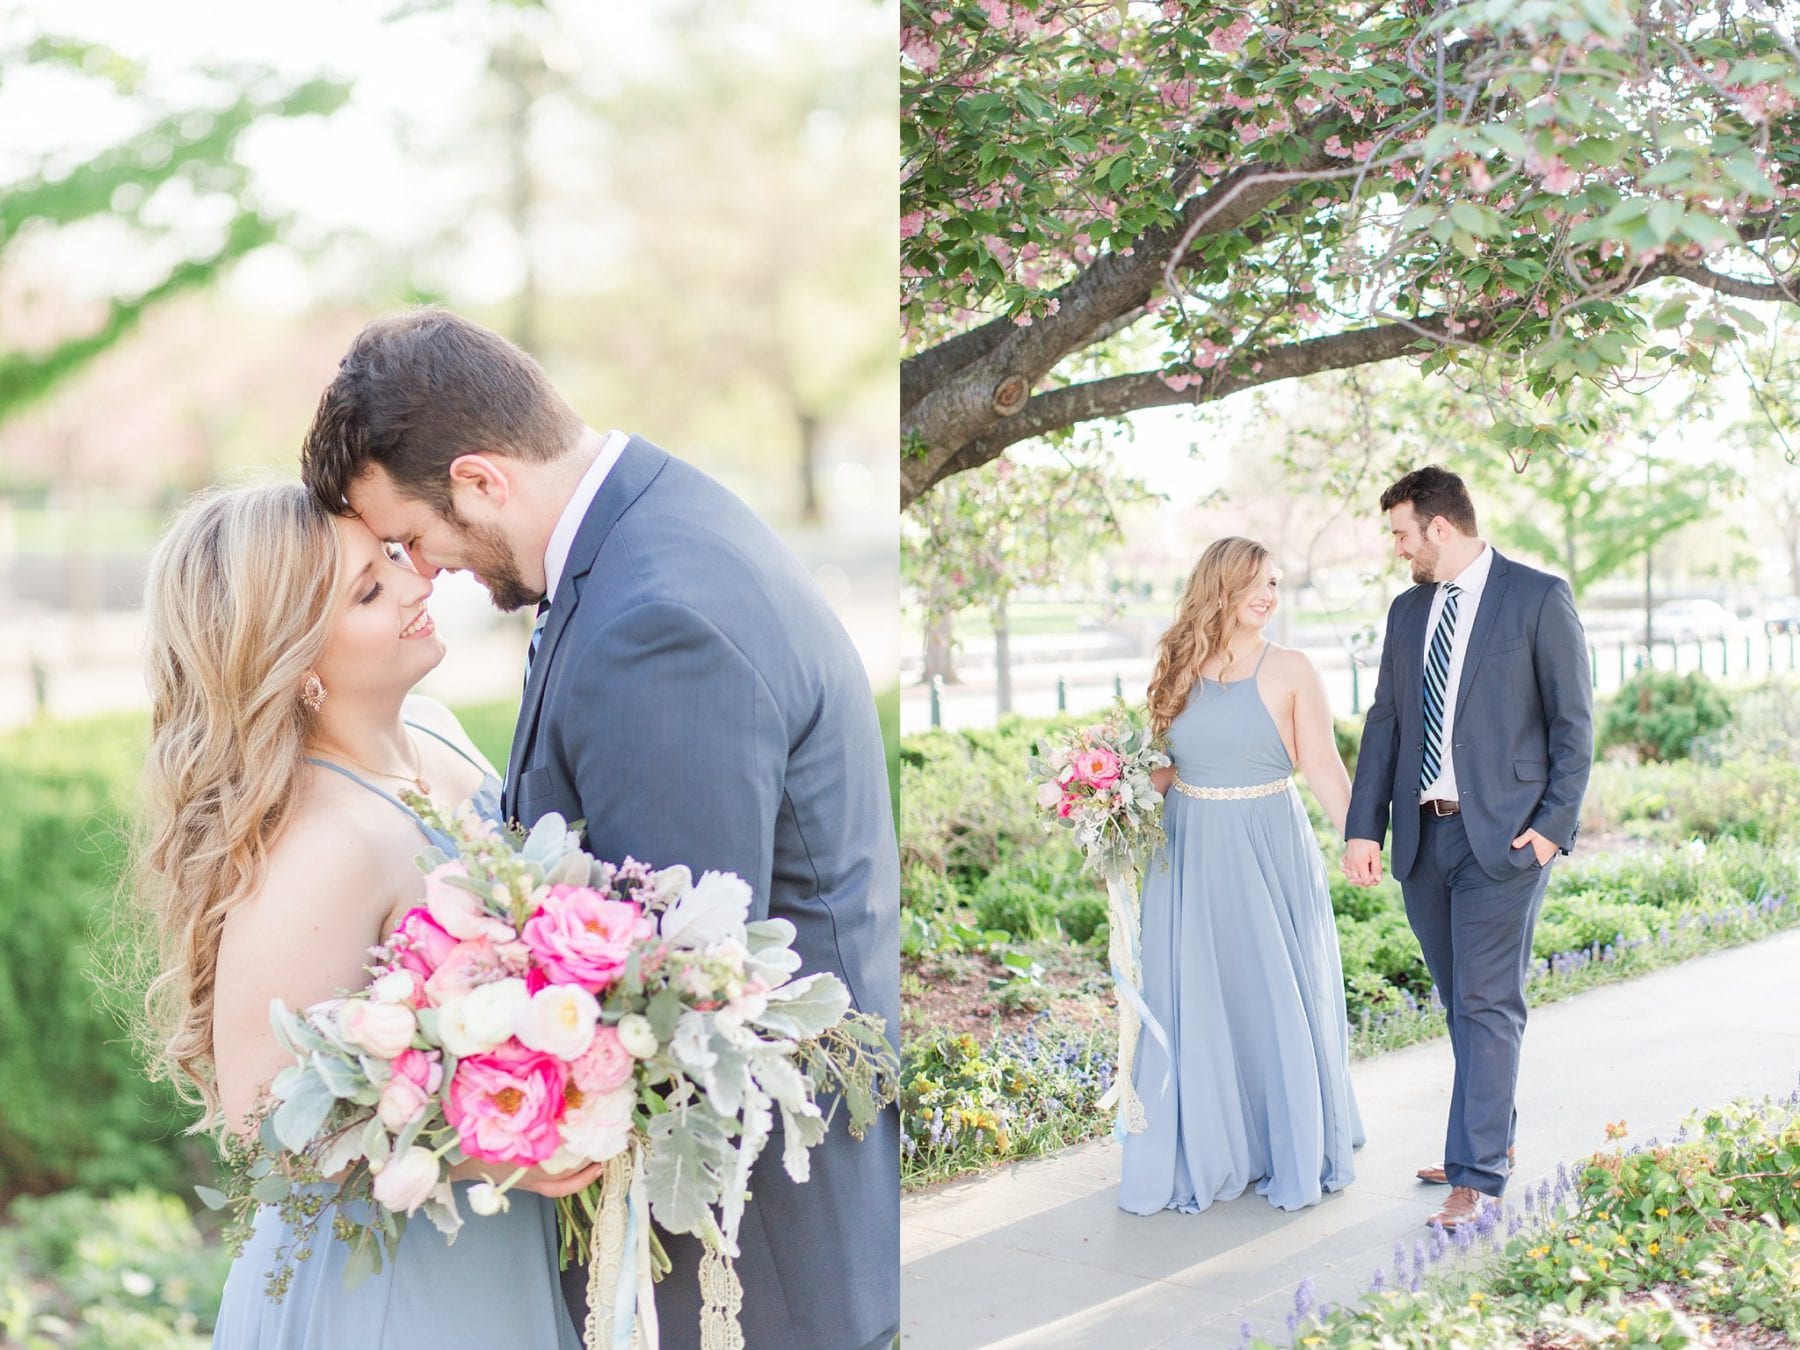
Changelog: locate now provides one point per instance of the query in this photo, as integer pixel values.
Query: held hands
(1362, 862)
(1544, 848)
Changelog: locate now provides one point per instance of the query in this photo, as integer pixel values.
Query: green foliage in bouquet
(1658, 715)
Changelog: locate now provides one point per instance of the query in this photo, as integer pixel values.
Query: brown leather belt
(1437, 806)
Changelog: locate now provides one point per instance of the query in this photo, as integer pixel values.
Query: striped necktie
(537, 636)
(1437, 680)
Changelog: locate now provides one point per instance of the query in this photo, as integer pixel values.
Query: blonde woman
(1240, 955)
(283, 646)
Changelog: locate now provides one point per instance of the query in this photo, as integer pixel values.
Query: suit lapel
(1492, 594)
(639, 463)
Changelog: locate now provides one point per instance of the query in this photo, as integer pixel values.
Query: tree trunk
(1570, 570)
(940, 648)
(809, 466)
(1002, 658)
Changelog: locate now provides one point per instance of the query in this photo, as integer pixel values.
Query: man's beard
(1424, 567)
(490, 558)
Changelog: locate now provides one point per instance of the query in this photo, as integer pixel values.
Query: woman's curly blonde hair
(1205, 622)
(239, 606)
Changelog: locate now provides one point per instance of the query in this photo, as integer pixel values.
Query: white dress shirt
(1471, 581)
(562, 538)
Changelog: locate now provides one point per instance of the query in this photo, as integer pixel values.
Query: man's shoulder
(1530, 580)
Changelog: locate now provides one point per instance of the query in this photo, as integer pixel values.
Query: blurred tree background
(685, 211)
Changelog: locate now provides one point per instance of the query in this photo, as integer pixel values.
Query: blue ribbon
(1147, 1019)
(625, 1302)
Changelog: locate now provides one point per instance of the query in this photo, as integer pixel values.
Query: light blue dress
(1241, 969)
(496, 1285)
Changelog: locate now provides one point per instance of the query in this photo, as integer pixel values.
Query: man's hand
(1544, 848)
(1362, 862)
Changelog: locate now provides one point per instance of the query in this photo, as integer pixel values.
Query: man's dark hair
(416, 391)
(1433, 492)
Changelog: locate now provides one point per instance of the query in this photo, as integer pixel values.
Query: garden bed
(1004, 935)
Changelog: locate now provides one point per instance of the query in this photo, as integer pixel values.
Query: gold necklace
(416, 778)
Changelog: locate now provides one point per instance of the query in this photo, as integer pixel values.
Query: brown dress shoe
(1465, 1205)
(1436, 1176)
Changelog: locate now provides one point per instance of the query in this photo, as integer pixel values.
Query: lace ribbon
(621, 1294)
(621, 1283)
(1124, 954)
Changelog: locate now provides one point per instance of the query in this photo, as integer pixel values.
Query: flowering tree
(1115, 206)
(971, 543)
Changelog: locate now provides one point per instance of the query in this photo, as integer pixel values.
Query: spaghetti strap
(452, 744)
(1264, 657)
(379, 792)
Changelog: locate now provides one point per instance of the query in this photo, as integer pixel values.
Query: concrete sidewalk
(1038, 1255)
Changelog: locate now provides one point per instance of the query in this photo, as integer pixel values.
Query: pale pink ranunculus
(406, 1181)
(505, 1104)
(581, 937)
(1098, 766)
(424, 943)
(1066, 807)
(1048, 794)
(401, 1101)
(461, 913)
(606, 1065)
(381, 1029)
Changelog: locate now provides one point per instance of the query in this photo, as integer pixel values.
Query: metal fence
(1350, 684)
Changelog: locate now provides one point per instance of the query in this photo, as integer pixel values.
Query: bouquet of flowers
(1095, 781)
(542, 1008)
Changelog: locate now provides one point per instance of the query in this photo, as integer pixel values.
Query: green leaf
(303, 1110)
(806, 1007)
(210, 1198)
(688, 1159)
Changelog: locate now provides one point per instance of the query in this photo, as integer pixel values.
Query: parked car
(1781, 615)
(1691, 620)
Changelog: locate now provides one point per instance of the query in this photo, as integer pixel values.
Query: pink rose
(1098, 766)
(581, 937)
(467, 966)
(1066, 807)
(459, 911)
(424, 944)
(606, 1065)
(505, 1104)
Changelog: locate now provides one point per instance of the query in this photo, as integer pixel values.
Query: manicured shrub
(1657, 714)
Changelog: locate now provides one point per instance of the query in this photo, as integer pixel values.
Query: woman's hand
(1161, 778)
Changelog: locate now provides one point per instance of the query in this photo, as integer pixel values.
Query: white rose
(637, 1036)
(716, 908)
(404, 1183)
(1049, 794)
(482, 1018)
(559, 1020)
(401, 1101)
(394, 987)
(601, 1126)
(381, 1029)
(671, 883)
(487, 1198)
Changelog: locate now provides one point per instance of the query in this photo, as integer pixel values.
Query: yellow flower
(1655, 1247)
(1477, 1298)
(1662, 1211)
(1622, 1324)
(1621, 1240)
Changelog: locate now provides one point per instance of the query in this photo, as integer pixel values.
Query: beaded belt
(1235, 794)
